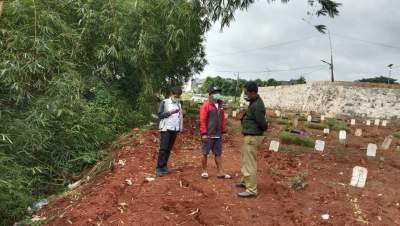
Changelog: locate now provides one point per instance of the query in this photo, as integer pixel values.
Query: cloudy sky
(272, 41)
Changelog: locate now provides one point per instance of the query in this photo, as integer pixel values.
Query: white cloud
(235, 49)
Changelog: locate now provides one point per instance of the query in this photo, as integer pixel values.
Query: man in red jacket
(212, 126)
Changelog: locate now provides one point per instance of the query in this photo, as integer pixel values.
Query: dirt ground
(184, 198)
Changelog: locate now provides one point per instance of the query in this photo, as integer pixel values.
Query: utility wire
(264, 47)
(264, 71)
(367, 41)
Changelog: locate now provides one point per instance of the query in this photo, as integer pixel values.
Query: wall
(338, 98)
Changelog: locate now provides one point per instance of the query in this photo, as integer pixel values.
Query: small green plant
(284, 122)
(313, 125)
(290, 138)
(397, 134)
(337, 125)
(297, 182)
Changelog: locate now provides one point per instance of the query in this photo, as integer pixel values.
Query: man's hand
(204, 138)
(174, 111)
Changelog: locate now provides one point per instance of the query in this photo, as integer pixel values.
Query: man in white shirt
(170, 114)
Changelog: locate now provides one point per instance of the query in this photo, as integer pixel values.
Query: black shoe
(240, 185)
(246, 194)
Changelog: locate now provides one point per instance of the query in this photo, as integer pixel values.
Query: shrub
(290, 138)
(397, 134)
(337, 125)
(313, 125)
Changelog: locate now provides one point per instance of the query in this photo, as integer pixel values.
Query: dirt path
(183, 198)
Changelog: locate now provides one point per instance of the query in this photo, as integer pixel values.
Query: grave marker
(353, 122)
(387, 142)
(295, 122)
(368, 122)
(377, 121)
(371, 150)
(322, 118)
(226, 115)
(326, 131)
(342, 136)
(358, 132)
(359, 177)
(309, 118)
(274, 146)
(278, 113)
(384, 123)
(234, 114)
(319, 145)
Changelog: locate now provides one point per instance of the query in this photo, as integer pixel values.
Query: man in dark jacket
(212, 126)
(254, 123)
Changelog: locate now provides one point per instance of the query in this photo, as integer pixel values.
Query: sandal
(225, 176)
(204, 175)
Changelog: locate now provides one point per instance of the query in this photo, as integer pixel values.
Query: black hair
(176, 90)
(251, 87)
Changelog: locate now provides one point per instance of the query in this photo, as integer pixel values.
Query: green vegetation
(337, 124)
(76, 74)
(284, 122)
(379, 79)
(397, 134)
(312, 125)
(298, 182)
(290, 138)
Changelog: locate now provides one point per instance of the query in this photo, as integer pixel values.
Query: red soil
(184, 198)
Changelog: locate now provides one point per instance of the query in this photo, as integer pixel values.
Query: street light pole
(390, 71)
(237, 85)
(331, 64)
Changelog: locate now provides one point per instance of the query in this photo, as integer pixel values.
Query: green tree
(379, 79)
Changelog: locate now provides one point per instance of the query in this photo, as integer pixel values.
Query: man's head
(250, 90)
(176, 93)
(214, 93)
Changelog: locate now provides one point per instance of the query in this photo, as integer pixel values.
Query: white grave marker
(358, 132)
(368, 122)
(278, 113)
(384, 123)
(326, 131)
(377, 121)
(226, 115)
(234, 114)
(353, 122)
(359, 177)
(319, 145)
(322, 118)
(387, 142)
(342, 136)
(371, 150)
(309, 118)
(274, 146)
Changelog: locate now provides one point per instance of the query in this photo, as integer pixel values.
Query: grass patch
(298, 182)
(397, 134)
(312, 125)
(290, 138)
(284, 122)
(337, 125)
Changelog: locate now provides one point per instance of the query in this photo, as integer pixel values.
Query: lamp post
(321, 29)
(390, 71)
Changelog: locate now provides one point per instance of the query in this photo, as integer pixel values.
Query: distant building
(194, 85)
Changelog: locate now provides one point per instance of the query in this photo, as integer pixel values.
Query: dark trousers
(167, 140)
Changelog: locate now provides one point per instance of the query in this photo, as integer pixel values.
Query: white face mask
(216, 96)
(175, 99)
(246, 98)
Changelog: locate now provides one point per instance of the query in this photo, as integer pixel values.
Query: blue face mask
(216, 96)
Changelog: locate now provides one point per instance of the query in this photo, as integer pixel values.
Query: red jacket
(212, 120)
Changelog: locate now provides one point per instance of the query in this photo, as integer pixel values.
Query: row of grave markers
(359, 175)
(377, 122)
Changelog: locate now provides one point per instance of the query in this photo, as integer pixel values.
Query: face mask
(216, 96)
(246, 98)
(175, 99)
